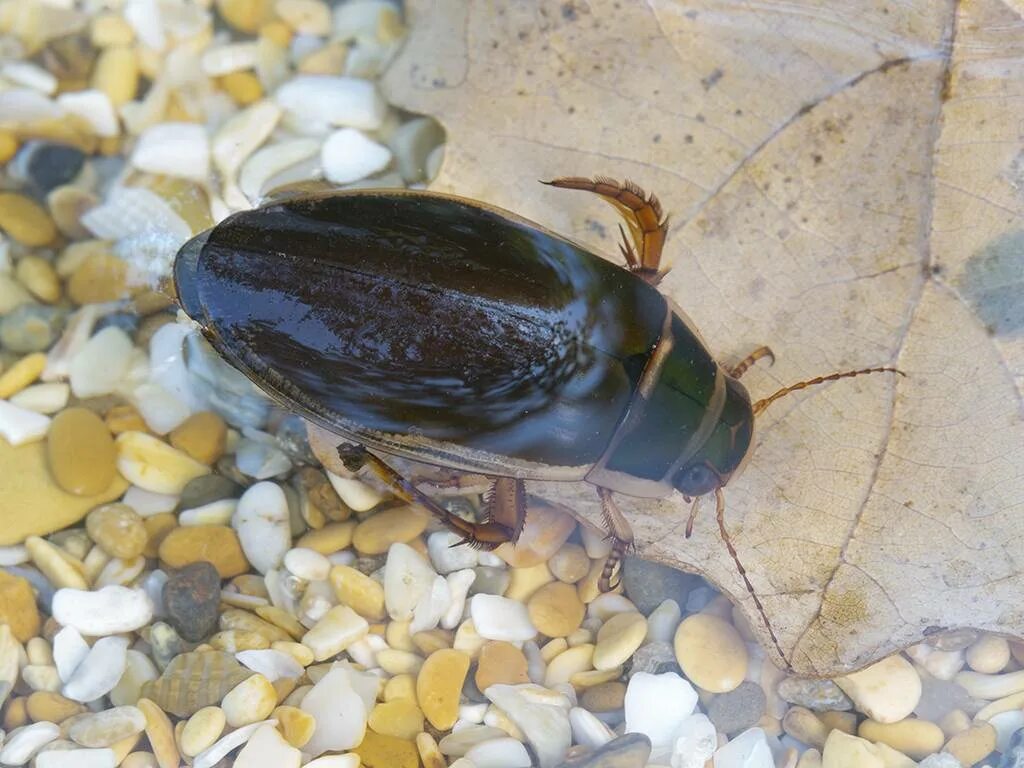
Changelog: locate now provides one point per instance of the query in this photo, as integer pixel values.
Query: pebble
(25, 221)
(400, 718)
(101, 365)
(21, 374)
(43, 398)
(267, 748)
(695, 742)
(376, 534)
(31, 328)
(439, 685)
(555, 609)
(356, 495)
(605, 697)
(541, 715)
(18, 607)
(201, 730)
(647, 584)
(570, 563)
(676, 699)
(191, 598)
(69, 649)
(116, 74)
(57, 568)
(447, 556)
(261, 521)
(972, 745)
(273, 665)
(816, 695)
(407, 579)
(738, 709)
(804, 726)
(105, 611)
(250, 701)
(39, 278)
(500, 662)
(988, 654)
(22, 743)
(547, 528)
(174, 149)
(339, 711)
(81, 452)
(525, 581)
(748, 750)
(213, 754)
(711, 652)
(362, 594)
(118, 530)
(348, 155)
(103, 729)
(152, 464)
(378, 751)
(51, 707)
(459, 584)
(328, 540)
(845, 751)
(139, 670)
(887, 691)
(160, 734)
(631, 750)
(100, 277)
(915, 738)
(203, 436)
(216, 544)
(339, 628)
(317, 100)
(499, 618)
(350, 760)
(19, 426)
(98, 672)
(499, 753)
(618, 638)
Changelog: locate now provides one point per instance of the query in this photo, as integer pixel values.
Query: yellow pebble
(399, 662)
(117, 74)
(295, 725)
(282, 619)
(201, 730)
(243, 87)
(439, 686)
(39, 277)
(379, 751)
(711, 653)
(21, 374)
(244, 15)
(16, 714)
(160, 734)
(400, 718)
(915, 738)
(56, 565)
(359, 592)
(332, 538)
(400, 687)
(18, 606)
(430, 755)
(25, 220)
(109, 29)
(397, 635)
(8, 146)
(277, 32)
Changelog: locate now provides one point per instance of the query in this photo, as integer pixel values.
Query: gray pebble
(737, 710)
(940, 697)
(629, 751)
(192, 600)
(940, 760)
(30, 328)
(1013, 757)
(45, 165)
(126, 321)
(165, 643)
(647, 584)
(490, 580)
(816, 695)
(207, 489)
(655, 658)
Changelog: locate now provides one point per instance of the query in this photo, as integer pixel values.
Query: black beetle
(454, 333)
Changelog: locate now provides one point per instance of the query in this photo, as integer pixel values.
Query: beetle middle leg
(647, 227)
(621, 534)
(744, 365)
(486, 535)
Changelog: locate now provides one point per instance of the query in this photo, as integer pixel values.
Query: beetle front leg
(621, 534)
(487, 535)
(647, 227)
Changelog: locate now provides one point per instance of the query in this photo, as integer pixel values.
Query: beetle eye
(696, 480)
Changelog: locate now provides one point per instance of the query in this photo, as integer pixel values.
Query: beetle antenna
(760, 405)
(720, 514)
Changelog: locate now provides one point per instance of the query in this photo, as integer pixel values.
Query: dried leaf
(846, 186)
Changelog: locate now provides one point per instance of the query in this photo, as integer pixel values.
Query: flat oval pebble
(498, 618)
(261, 521)
(915, 738)
(500, 662)
(99, 671)
(106, 611)
(118, 530)
(845, 751)
(215, 544)
(154, 465)
(376, 534)
(339, 711)
(618, 638)
(202, 436)
(22, 743)
(711, 652)
(339, 628)
(362, 594)
(267, 748)
(81, 452)
(439, 685)
(201, 730)
(332, 101)
(556, 610)
(18, 606)
(25, 221)
(102, 729)
(250, 701)
(887, 691)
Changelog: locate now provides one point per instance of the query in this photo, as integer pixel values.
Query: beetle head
(722, 455)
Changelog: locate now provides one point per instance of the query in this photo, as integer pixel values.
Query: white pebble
(273, 665)
(139, 670)
(95, 108)
(663, 622)
(748, 750)
(76, 758)
(473, 713)
(324, 100)
(364, 651)
(604, 606)
(656, 705)
(407, 578)
(19, 426)
(212, 755)
(160, 409)
(217, 512)
(357, 495)
(347, 156)
(41, 677)
(588, 730)
(270, 161)
(241, 135)
(29, 75)
(261, 522)
(459, 583)
(431, 606)
(307, 564)
(107, 611)
(339, 627)
(339, 711)
(43, 398)
(499, 753)
(147, 503)
(446, 555)
(887, 691)
(1006, 724)
(13, 554)
(412, 144)
(694, 742)
(69, 650)
(181, 150)
(465, 736)
(267, 748)
(499, 618)
(99, 671)
(101, 363)
(542, 716)
(224, 59)
(22, 743)
(351, 760)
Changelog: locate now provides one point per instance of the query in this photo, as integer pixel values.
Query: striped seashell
(195, 680)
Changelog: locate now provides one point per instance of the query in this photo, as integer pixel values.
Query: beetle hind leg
(505, 503)
(486, 535)
(621, 535)
(643, 246)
